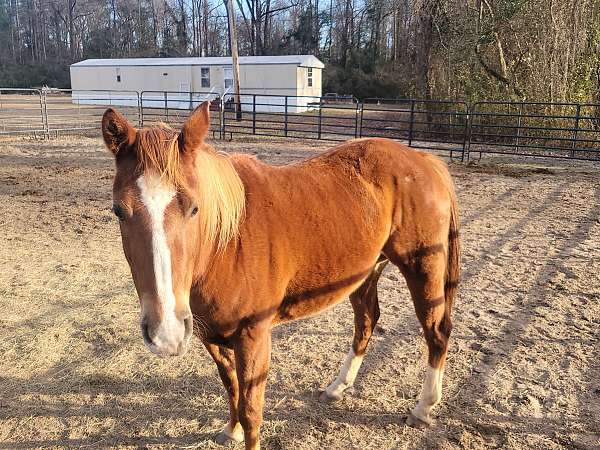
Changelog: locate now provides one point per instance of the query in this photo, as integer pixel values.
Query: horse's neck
(217, 273)
(217, 268)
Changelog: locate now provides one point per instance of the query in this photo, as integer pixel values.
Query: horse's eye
(194, 211)
(118, 211)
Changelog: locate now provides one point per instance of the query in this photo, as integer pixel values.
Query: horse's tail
(453, 264)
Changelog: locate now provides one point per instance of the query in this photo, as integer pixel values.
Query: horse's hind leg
(366, 313)
(425, 276)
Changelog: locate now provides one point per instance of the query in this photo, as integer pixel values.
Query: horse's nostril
(145, 332)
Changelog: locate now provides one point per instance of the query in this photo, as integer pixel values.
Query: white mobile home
(190, 80)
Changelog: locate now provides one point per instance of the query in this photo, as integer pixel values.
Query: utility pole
(233, 44)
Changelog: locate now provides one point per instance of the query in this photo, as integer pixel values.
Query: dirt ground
(523, 369)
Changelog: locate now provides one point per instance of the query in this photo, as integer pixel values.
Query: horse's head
(163, 195)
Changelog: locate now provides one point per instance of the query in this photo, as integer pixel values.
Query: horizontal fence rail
(47, 112)
(68, 111)
(173, 107)
(456, 128)
(549, 130)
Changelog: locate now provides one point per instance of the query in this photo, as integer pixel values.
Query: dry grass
(523, 370)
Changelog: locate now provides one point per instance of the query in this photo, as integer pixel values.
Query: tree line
(538, 50)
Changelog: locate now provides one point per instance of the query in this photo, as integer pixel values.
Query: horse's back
(360, 191)
(400, 175)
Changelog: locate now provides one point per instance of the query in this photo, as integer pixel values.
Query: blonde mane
(157, 150)
(221, 195)
(223, 198)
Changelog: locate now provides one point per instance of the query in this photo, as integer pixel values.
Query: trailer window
(205, 77)
(228, 77)
(310, 77)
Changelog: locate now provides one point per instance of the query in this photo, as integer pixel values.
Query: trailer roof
(299, 60)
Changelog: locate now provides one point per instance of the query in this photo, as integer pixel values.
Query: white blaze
(156, 196)
(431, 394)
(347, 375)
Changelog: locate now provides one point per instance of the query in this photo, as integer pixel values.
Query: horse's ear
(117, 132)
(195, 128)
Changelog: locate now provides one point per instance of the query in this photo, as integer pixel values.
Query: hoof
(336, 394)
(223, 438)
(415, 422)
(330, 398)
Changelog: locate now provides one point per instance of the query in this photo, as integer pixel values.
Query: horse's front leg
(225, 360)
(252, 356)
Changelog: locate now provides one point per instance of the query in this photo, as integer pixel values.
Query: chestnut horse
(228, 247)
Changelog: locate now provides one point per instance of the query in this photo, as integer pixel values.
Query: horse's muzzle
(170, 338)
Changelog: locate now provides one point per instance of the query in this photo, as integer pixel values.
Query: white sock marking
(236, 433)
(431, 394)
(347, 375)
(156, 196)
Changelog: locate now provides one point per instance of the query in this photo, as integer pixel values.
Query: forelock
(157, 151)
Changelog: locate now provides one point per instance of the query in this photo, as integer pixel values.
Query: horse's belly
(310, 301)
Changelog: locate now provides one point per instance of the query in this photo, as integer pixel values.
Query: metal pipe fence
(43, 113)
(290, 116)
(426, 124)
(535, 129)
(22, 112)
(173, 107)
(459, 129)
(68, 111)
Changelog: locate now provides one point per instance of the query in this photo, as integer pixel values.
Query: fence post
(140, 107)
(221, 118)
(471, 111)
(320, 118)
(43, 115)
(575, 130)
(518, 126)
(285, 117)
(466, 136)
(166, 107)
(411, 123)
(356, 120)
(47, 120)
(253, 113)
(362, 113)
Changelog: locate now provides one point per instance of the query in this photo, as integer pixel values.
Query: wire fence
(456, 128)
